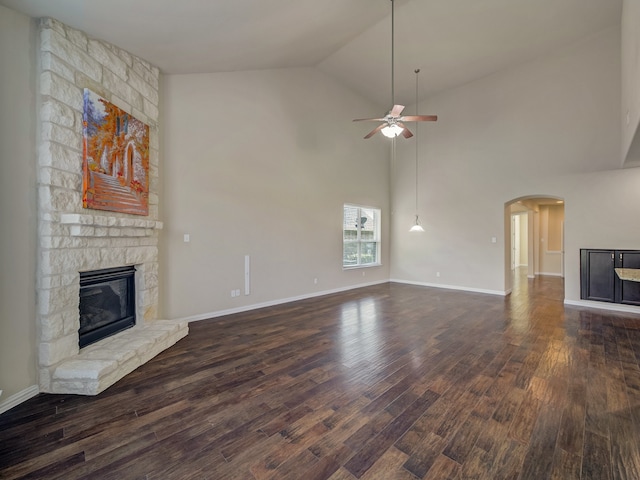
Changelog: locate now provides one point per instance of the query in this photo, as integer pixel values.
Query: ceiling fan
(393, 122)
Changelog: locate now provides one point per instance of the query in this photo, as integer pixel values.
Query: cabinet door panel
(597, 275)
(626, 291)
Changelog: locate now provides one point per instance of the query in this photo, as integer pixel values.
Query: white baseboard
(255, 306)
(18, 398)
(501, 293)
(614, 307)
(550, 274)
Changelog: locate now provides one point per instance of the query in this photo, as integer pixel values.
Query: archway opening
(534, 238)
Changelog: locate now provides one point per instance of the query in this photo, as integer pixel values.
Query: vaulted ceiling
(451, 41)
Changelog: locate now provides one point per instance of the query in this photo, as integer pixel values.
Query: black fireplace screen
(107, 303)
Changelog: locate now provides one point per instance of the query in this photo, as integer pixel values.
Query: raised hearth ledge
(99, 366)
(83, 225)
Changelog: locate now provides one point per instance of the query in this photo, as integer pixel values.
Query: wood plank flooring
(384, 382)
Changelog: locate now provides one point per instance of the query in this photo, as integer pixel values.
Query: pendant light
(416, 227)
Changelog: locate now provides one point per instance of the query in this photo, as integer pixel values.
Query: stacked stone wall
(73, 239)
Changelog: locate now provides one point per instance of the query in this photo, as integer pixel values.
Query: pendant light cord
(417, 71)
(393, 96)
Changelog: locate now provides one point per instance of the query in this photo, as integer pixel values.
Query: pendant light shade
(417, 227)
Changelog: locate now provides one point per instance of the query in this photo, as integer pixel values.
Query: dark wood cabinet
(599, 281)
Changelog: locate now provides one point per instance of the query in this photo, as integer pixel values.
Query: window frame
(359, 241)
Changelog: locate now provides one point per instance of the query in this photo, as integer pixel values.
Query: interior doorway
(534, 239)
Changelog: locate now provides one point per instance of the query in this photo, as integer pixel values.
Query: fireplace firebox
(107, 303)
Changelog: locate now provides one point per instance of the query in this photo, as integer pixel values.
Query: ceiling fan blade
(375, 130)
(406, 133)
(419, 118)
(368, 119)
(396, 110)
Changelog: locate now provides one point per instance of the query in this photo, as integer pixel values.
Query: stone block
(44, 379)
(83, 81)
(77, 219)
(55, 281)
(150, 312)
(151, 110)
(69, 260)
(62, 90)
(52, 41)
(120, 103)
(64, 200)
(103, 353)
(147, 91)
(141, 255)
(53, 24)
(154, 139)
(57, 299)
(77, 37)
(140, 115)
(51, 327)
(59, 178)
(82, 231)
(56, 112)
(49, 61)
(84, 369)
(107, 58)
(113, 257)
(148, 73)
(53, 352)
(59, 156)
(153, 211)
(65, 136)
(115, 84)
(123, 55)
(46, 228)
(71, 319)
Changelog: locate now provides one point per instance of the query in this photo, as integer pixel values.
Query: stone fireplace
(73, 239)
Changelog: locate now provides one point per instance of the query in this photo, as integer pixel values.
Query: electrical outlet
(315, 281)
(233, 293)
(437, 274)
(237, 292)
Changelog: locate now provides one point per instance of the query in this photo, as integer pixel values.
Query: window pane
(368, 253)
(350, 254)
(350, 223)
(369, 219)
(361, 236)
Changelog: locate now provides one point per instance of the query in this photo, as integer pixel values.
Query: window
(360, 236)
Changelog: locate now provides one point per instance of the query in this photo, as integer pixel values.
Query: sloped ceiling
(451, 41)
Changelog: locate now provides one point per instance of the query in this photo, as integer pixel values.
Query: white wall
(541, 129)
(550, 218)
(18, 204)
(524, 240)
(260, 163)
(631, 81)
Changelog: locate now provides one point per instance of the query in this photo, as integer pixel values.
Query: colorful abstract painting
(115, 158)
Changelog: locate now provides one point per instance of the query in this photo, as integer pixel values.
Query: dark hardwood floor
(385, 382)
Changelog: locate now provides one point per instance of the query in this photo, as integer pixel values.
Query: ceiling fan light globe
(392, 131)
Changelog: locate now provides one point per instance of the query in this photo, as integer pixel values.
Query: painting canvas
(115, 158)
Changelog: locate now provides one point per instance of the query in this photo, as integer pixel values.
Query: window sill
(355, 267)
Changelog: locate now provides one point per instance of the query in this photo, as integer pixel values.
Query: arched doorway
(534, 238)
